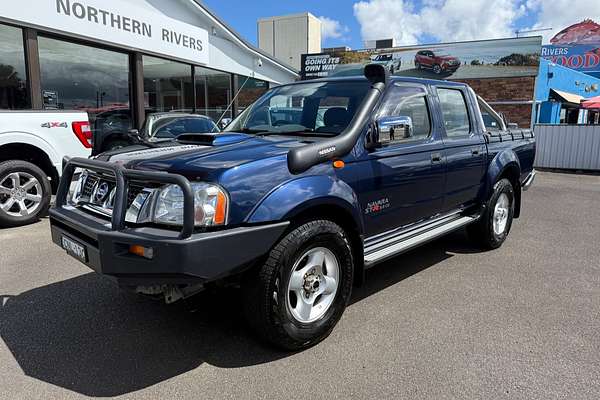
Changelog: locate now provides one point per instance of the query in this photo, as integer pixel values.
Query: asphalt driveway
(443, 321)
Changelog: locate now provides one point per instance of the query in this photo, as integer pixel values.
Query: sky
(350, 22)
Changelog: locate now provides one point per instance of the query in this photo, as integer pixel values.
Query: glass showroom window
(213, 93)
(250, 90)
(13, 76)
(167, 85)
(78, 77)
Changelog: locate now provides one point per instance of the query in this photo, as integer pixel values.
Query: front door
(405, 183)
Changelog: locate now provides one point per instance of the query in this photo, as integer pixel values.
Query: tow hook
(170, 293)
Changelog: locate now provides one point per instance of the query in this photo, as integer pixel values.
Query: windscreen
(171, 127)
(311, 108)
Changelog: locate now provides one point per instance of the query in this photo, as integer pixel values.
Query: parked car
(169, 125)
(157, 126)
(294, 214)
(32, 146)
(427, 59)
(391, 61)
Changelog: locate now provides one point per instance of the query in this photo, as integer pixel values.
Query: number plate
(74, 249)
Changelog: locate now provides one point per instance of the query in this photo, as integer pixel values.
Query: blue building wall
(553, 76)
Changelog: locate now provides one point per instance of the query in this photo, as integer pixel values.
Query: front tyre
(495, 223)
(24, 193)
(297, 297)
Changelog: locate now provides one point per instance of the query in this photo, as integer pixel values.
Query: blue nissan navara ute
(313, 184)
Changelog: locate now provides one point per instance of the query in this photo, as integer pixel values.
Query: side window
(454, 112)
(408, 101)
(490, 122)
(337, 105)
(13, 77)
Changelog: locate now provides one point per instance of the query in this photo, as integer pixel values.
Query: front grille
(88, 186)
(104, 205)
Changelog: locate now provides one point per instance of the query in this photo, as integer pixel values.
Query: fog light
(141, 251)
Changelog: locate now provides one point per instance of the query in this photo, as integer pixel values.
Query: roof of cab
(358, 78)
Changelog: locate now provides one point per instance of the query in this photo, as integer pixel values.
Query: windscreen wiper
(305, 133)
(253, 131)
(292, 133)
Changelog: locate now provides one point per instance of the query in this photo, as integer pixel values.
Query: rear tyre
(417, 65)
(24, 193)
(297, 297)
(494, 225)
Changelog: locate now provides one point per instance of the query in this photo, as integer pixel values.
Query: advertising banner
(461, 60)
(576, 47)
(131, 23)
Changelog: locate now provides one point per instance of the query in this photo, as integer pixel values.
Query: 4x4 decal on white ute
(55, 125)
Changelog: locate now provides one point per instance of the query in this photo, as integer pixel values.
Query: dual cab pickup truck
(294, 212)
(32, 147)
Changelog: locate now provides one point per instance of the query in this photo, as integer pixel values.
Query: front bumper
(185, 257)
(449, 67)
(203, 257)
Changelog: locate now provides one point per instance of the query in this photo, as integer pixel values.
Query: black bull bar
(122, 177)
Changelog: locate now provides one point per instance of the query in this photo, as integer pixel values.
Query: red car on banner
(437, 63)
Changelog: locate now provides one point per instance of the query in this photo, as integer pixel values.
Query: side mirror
(135, 135)
(224, 122)
(391, 129)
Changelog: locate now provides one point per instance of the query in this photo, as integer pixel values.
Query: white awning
(567, 97)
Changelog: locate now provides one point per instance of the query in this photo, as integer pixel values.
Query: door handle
(475, 152)
(436, 157)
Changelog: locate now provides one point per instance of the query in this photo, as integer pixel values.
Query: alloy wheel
(20, 194)
(313, 284)
(501, 211)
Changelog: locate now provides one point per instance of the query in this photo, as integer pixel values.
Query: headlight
(210, 205)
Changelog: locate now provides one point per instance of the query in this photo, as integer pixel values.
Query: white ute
(32, 146)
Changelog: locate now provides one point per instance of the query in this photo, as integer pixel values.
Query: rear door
(406, 179)
(464, 148)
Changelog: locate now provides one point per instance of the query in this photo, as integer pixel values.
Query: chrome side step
(405, 241)
(529, 180)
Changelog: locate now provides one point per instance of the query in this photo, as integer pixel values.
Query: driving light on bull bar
(210, 205)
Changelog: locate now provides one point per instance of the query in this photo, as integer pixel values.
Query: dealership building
(119, 60)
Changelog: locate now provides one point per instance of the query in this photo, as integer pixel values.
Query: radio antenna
(232, 100)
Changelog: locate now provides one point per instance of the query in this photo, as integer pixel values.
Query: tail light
(83, 131)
